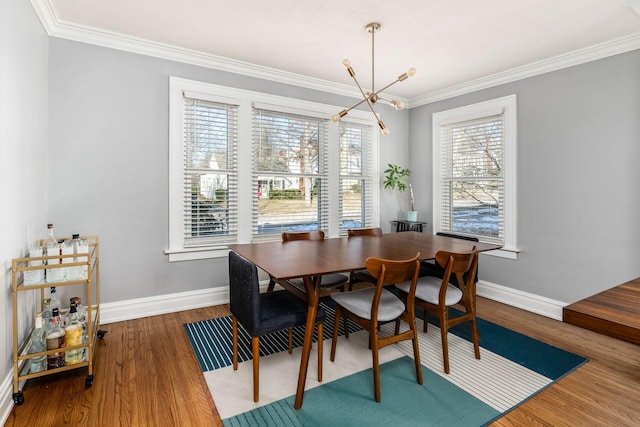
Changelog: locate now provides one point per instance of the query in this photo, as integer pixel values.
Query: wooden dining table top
(286, 260)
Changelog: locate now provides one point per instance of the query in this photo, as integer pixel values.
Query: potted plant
(396, 177)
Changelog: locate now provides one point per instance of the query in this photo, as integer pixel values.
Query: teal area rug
(512, 368)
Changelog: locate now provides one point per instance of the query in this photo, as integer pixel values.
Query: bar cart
(23, 271)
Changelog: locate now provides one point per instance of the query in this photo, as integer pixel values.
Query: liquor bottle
(50, 248)
(46, 313)
(55, 340)
(75, 273)
(73, 336)
(38, 344)
(54, 301)
(66, 273)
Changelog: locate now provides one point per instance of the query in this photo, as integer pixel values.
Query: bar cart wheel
(89, 381)
(101, 333)
(18, 398)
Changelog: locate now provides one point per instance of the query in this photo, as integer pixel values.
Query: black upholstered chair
(261, 314)
(431, 268)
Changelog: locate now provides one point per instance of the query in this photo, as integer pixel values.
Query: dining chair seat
(428, 290)
(359, 303)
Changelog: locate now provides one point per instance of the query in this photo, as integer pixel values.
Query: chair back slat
(303, 235)
(376, 231)
(460, 265)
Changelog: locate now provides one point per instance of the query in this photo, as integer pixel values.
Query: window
(355, 176)
(245, 166)
(474, 172)
(289, 173)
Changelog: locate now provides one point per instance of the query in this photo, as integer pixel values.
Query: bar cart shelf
(21, 267)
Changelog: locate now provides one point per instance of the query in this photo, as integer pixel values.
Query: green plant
(397, 177)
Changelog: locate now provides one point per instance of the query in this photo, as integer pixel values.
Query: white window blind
(356, 183)
(472, 178)
(209, 172)
(289, 173)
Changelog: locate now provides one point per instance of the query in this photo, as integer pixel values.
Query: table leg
(312, 301)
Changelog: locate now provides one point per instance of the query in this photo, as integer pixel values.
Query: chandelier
(373, 96)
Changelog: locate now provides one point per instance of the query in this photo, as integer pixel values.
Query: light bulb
(335, 118)
(398, 105)
(346, 63)
(411, 72)
(385, 131)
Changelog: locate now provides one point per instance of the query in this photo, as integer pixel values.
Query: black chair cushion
(283, 310)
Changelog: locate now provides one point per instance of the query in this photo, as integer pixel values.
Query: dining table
(310, 259)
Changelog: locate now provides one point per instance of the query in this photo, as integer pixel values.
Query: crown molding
(71, 31)
(62, 29)
(577, 57)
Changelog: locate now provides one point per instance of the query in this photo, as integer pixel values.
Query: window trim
(506, 105)
(244, 99)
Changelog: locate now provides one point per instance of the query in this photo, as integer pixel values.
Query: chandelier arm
(366, 98)
(387, 87)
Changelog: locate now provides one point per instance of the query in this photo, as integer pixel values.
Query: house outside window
(475, 172)
(245, 166)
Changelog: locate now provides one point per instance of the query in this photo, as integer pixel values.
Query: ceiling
(449, 42)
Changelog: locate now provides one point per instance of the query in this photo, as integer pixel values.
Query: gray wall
(23, 161)
(109, 138)
(578, 177)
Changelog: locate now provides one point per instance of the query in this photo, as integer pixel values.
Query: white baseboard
(524, 300)
(6, 403)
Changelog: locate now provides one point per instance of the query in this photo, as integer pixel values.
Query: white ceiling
(449, 42)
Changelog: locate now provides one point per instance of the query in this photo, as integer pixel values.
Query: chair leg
(373, 342)
(320, 342)
(475, 337)
(234, 341)
(416, 351)
(445, 342)
(255, 349)
(290, 340)
(334, 339)
(345, 325)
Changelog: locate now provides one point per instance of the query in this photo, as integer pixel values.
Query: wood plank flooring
(147, 375)
(614, 312)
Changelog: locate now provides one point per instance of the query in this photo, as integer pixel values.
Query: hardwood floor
(147, 375)
(614, 312)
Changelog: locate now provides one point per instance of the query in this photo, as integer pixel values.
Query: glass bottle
(75, 273)
(46, 313)
(55, 340)
(38, 344)
(54, 302)
(73, 336)
(50, 248)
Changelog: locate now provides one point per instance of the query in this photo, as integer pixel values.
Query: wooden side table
(408, 225)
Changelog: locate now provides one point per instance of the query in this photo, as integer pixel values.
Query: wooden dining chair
(431, 268)
(368, 307)
(327, 281)
(261, 314)
(436, 295)
(362, 275)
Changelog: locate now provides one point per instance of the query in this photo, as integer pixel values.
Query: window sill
(192, 254)
(509, 253)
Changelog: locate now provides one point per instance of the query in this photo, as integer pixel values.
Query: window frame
(245, 100)
(504, 105)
